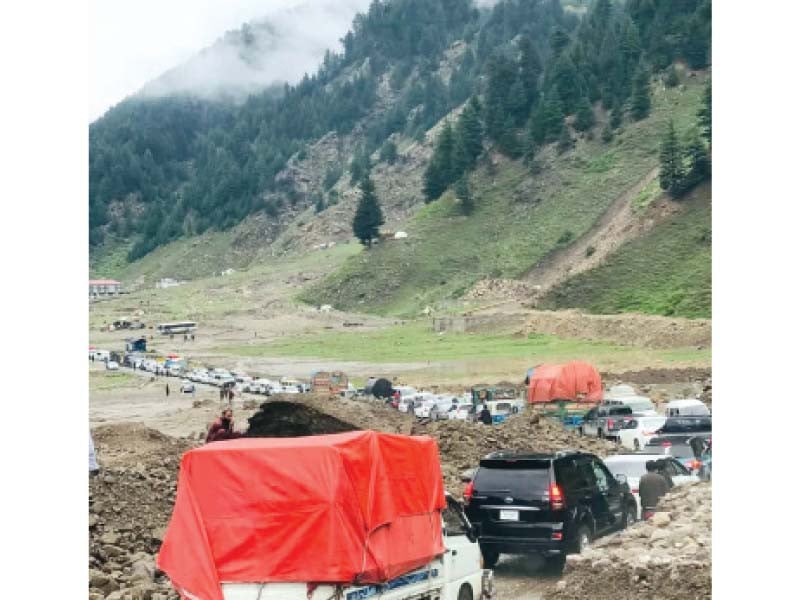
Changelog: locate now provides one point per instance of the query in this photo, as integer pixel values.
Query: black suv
(547, 504)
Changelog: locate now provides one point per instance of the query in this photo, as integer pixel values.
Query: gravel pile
(461, 444)
(130, 503)
(668, 557)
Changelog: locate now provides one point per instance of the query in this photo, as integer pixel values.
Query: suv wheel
(583, 538)
(554, 565)
(636, 445)
(490, 557)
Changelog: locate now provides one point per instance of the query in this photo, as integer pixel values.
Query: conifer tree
(369, 216)
(584, 118)
(530, 69)
(440, 171)
(464, 195)
(671, 174)
(640, 100)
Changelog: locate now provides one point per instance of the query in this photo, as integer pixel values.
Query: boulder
(661, 519)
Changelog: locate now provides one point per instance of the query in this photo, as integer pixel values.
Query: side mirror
(621, 478)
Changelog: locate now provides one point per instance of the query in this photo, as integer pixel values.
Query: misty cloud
(279, 48)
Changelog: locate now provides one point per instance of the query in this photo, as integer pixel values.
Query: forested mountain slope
(492, 135)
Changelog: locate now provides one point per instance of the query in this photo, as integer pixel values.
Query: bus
(182, 327)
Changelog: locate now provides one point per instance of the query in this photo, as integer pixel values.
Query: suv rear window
(520, 481)
(686, 424)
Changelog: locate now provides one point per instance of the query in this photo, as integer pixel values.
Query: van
(687, 408)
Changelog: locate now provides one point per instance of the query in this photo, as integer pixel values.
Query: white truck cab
(455, 575)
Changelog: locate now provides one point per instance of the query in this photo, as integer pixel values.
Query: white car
(442, 410)
(112, 365)
(639, 430)
(433, 408)
(462, 411)
(290, 389)
(633, 467)
(187, 387)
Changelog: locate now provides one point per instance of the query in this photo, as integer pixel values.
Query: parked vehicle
(685, 426)
(547, 504)
(100, 355)
(187, 387)
(443, 410)
(687, 408)
(443, 563)
(112, 365)
(633, 467)
(681, 449)
(465, 411)
(639, 430)
(424, 409)
(605, 421)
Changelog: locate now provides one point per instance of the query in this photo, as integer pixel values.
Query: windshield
(632, 468)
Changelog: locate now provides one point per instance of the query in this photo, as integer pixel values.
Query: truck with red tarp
(349, 516)
(568, 387)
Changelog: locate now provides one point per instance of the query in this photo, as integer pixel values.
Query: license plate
(509, 515)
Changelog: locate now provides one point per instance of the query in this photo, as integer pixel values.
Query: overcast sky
(133, 41)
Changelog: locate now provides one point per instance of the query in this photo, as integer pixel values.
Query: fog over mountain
(277, 49)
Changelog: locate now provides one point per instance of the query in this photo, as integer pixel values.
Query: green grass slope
(665, 272)
(518, 218)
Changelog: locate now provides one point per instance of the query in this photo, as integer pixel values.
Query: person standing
(652, 487)
(485, 416)
(167, 390)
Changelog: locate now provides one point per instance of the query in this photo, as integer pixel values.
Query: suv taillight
(610, 423)
(556, 497)
(468, 492)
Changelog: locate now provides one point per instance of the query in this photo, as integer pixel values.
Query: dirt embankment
(668, 557)
(647, 331)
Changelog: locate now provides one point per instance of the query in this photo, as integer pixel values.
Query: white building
(104, 287)
(168, 282)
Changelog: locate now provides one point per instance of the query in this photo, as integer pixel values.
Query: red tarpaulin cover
(350, 507)
(576, 381)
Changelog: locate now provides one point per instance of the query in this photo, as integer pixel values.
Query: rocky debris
(501, 289)
(668, 557)
(462, 444)
(129, 506)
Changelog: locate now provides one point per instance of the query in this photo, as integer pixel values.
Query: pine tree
(464, 195)
(697, 158)
(530, 69)
(608, 134)
(584, 118)
(368, 217)
(547, 121)
(389, 152)
(671, 174)
(640, 100)
(440, 171)
(565, 142)
(468, 138)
